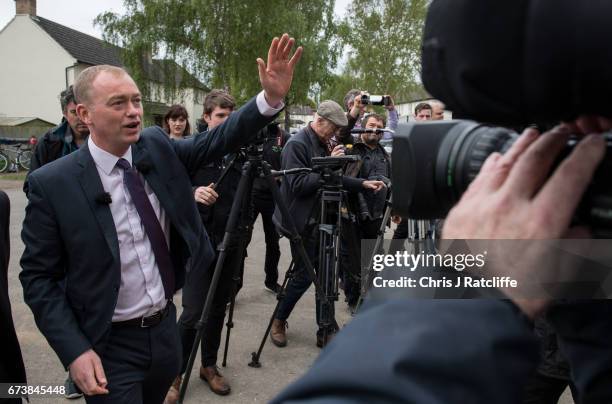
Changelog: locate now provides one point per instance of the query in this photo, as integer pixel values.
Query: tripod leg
(279, 297)
(244, 189)
(238, 270)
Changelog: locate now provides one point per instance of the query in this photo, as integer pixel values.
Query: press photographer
(300, 192)
(366, 208)
(484, 351)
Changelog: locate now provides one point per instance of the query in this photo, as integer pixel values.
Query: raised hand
(276, 76)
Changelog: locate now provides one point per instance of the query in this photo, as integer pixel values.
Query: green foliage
(384, 40)
(219, 41)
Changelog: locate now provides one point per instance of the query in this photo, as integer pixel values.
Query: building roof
(17, 121)
(93, 51)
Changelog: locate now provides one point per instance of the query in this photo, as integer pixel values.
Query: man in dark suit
(119, 226)
(11, 362)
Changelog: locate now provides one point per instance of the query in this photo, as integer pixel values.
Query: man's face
(113, 112)
(437, 112)
(325, 129)
(217, 117)
(79, 129)
(372, 139)
(423, 115)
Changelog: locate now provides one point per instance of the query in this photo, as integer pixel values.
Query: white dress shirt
(141, 292)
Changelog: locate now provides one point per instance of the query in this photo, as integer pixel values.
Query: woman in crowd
(176, 122)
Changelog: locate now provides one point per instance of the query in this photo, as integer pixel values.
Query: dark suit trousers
(141, 363)
(265, 206)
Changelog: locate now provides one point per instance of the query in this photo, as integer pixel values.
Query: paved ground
(253, 308)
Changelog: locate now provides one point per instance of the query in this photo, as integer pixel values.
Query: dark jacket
(272, 150)
(299, 191)
(375, 164)
(215, 216)
(57, 142)
(11, 362)
(70, 235)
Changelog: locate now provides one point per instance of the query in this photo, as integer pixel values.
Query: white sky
(79, 14)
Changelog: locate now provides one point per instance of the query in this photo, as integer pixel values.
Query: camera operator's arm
(295, 155)
(393, 117)
(344, 135)
(513, 197)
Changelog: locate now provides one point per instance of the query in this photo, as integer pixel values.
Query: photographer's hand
(357, 108)
(276, 76)
(339, 150)
(374, 185)
(206, 195)
(391, 105)
(513, 197)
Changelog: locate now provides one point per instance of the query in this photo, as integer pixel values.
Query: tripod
(331, 197)
(255, 166)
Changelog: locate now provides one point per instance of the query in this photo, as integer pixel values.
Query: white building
(41, 58)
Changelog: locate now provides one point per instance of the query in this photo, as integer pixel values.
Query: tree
(219, 40)
(384, 41)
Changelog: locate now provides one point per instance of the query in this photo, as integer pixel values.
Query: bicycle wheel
(24, 159)
(4, 163)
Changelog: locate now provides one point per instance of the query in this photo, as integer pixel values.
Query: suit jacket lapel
(90, 182)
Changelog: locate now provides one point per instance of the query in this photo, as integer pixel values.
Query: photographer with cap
(300, 193)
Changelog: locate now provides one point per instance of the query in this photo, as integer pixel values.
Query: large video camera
(500, 80)
(439, 160)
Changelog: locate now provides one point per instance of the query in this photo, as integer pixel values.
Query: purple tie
(151, 224)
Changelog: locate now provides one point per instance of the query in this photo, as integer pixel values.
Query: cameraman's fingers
(558, 199)
(484, 177)
(588, 124)
(532, 166)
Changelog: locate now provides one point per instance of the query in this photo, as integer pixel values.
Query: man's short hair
(218, 98)
(82, 85)
(66, 97)
(350, 97)
(421, 106)
(375, 116)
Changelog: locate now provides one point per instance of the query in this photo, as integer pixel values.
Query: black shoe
(71, 390)
(275, 288)
(324, 338)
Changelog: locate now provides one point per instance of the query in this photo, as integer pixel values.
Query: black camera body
(367, 99)
(440, 159)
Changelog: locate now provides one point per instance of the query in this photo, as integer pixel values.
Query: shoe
(275, 288)
(71, 390)
(173, 394)
(322, 340)
(215, 380)
(278, 334)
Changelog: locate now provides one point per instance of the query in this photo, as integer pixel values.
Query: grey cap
(333, 112)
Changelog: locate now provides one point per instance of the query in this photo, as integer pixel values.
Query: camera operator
(367, 207)
(263, 203)
(214, 204)
(300, 193)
